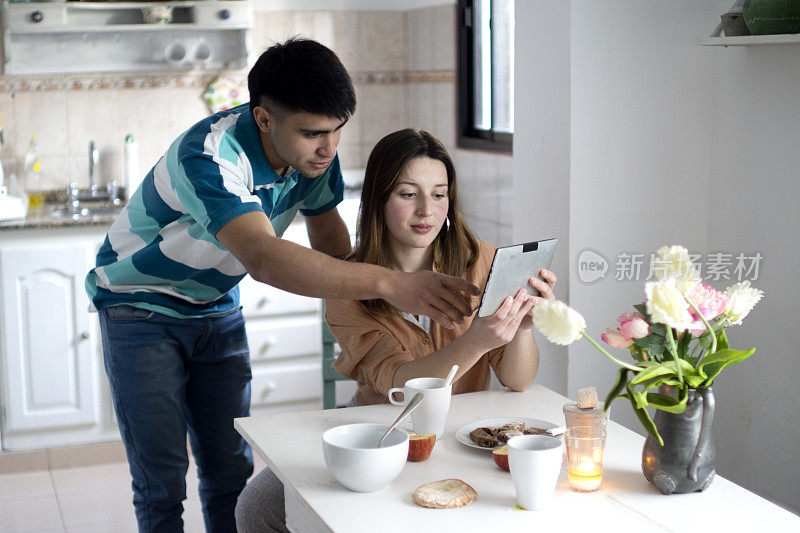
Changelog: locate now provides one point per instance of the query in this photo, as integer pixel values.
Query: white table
(290, 443)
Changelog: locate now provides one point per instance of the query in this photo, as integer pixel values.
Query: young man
(210, 211)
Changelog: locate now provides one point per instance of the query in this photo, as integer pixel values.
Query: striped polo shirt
(161, 252)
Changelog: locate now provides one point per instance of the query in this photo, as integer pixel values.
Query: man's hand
(431, 294)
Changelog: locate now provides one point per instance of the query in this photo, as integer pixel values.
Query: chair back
(329, 375)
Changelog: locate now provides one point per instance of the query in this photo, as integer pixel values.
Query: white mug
(535, 463)
(431, 414)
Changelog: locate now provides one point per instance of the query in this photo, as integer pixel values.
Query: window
(486, 74)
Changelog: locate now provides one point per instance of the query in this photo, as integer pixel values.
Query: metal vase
(686, 461)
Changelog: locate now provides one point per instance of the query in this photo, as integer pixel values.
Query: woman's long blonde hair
(455, 248)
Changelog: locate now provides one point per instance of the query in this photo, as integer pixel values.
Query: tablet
(512, 267)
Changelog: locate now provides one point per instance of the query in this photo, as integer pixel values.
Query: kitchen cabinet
(53, 387)
(54, 37)
(284, 331)
(54, 391)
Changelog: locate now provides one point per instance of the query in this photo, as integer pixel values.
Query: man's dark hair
(302, 75)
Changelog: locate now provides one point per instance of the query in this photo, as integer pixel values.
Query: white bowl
(353, 457)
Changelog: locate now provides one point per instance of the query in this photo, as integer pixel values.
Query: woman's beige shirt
(374, 347)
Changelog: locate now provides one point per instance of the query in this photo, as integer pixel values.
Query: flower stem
(673, 350)
(708, 327)
(626, 365)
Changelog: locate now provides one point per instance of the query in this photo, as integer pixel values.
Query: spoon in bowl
(413, 404)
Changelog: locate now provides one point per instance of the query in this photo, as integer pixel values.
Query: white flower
(674, 262)
(558, 322)
(742, 299)
(666, 304)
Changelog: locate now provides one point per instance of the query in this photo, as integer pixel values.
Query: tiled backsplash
(402, 64)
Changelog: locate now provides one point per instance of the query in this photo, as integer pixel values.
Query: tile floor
(84, 499)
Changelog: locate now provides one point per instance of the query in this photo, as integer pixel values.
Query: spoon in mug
(449, 379)
(415, 401)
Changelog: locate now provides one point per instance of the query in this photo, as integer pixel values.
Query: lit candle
(585, 446)
(585, 473)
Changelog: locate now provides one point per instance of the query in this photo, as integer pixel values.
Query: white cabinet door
(49, 355)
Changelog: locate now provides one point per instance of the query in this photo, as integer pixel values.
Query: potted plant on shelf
(678, 342)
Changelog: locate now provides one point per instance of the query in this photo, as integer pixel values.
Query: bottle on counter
(32, 166)
(130, 168)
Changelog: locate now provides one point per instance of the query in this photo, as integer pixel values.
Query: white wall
(639, 153)
(660, 133)
(541, 150)
(753, 207)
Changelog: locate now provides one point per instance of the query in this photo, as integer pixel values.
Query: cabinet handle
(269, 343)
(262, 302)
(224, 14)
(83, 335)
(37, 17)
(269, 388)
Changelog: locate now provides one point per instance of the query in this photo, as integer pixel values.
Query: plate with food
(489, 433)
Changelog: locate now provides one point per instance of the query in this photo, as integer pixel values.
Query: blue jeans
(168, 377)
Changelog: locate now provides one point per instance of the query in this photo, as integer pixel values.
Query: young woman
(409, 221)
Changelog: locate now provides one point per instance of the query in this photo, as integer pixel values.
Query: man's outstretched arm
(300, 270)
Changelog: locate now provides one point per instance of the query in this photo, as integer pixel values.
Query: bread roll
(444, 494)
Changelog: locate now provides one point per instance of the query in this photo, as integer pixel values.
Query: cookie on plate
(444, 494)
(513, 426)
(533, 430)
(483, 438)
(506, 434)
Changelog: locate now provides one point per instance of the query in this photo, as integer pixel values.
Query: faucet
(94, 156)
(74, 195)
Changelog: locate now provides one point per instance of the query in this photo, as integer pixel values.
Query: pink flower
(634, 328)
(709, 301)
(631, 326)
(616, 339)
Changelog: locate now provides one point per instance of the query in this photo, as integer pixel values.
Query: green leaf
(642, 308)
(683, 344)
(668, 403)
(713, 363)
(694, 377)
(694, 380)
(644, 418)
(637, 352)
(722, 340)
(704, 340)
(653, 370)
(654, 344)
(659, 329)
(619, 385)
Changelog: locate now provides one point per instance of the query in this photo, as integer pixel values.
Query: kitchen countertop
(41, 218)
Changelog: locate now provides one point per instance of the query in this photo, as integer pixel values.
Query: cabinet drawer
(284, 338)
(289, 383)
(258, 299)
(26, 16)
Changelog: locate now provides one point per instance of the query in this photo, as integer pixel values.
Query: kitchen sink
(86, 212)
